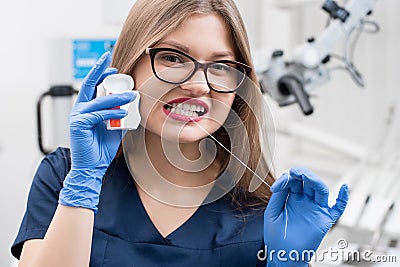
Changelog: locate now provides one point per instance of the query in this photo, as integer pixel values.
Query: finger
(296, 188)
(341, 202)
(280, 184)
(276, 204)
(107, 72)
(88, 120)
(86, 93)
(298, 173)
(109, 101)
(286, 182)
(313, 186)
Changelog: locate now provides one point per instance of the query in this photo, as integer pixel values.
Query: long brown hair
(148, 22)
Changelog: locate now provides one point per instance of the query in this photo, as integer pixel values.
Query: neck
(184, 164)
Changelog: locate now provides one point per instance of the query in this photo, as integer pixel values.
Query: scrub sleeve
(216, 235)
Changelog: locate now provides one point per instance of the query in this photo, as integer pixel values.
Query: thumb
(277, 202)
(341, 202)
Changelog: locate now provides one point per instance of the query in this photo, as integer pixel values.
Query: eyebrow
(186, 49)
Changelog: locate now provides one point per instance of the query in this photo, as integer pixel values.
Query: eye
(173, 59)
(170, 59)
(219, 69)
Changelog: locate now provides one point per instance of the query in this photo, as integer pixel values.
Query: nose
(197, 85)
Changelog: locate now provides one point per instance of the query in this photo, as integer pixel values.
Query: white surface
(392, 227)
(61, 107)
(116, 12)
(374, 213)
(118, 83)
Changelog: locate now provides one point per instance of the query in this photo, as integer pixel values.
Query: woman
(189, 204)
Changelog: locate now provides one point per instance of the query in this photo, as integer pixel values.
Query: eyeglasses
(176, 67)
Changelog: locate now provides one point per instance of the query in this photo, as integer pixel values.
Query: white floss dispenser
(117, 84)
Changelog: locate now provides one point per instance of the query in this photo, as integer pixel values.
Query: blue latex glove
(93, 147)
(303, 200)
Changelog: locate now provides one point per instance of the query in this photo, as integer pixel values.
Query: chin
(190, 138)
(184, 136)
(181, 133)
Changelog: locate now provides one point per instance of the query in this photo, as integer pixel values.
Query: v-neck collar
(176, 232)
(205, 220)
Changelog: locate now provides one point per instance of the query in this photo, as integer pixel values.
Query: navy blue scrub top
(216, 235)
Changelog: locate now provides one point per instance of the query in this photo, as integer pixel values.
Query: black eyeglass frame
(204, 66)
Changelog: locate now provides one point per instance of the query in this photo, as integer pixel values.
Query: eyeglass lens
(174, 67)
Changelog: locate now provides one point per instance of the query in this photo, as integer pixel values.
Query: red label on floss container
(115, 123)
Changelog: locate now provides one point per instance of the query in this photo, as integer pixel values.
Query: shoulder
(52, 171)
(234, 225)
(58, 161)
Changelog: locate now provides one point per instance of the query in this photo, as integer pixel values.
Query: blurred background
(352, 136)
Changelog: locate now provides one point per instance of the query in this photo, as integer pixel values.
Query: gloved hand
(93, 147)
(298, 217)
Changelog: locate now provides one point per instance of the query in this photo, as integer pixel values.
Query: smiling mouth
(186, 109)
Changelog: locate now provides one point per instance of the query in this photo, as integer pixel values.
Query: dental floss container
(117, 84)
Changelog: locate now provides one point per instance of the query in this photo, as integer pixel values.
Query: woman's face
(190, 111)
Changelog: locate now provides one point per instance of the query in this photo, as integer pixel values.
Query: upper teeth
(188, 107)
(185, 109)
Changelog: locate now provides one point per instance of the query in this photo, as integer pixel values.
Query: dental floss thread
(233, 155)
(241, 162)
(286, 211)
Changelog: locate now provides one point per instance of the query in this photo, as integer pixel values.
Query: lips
(186, 109)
